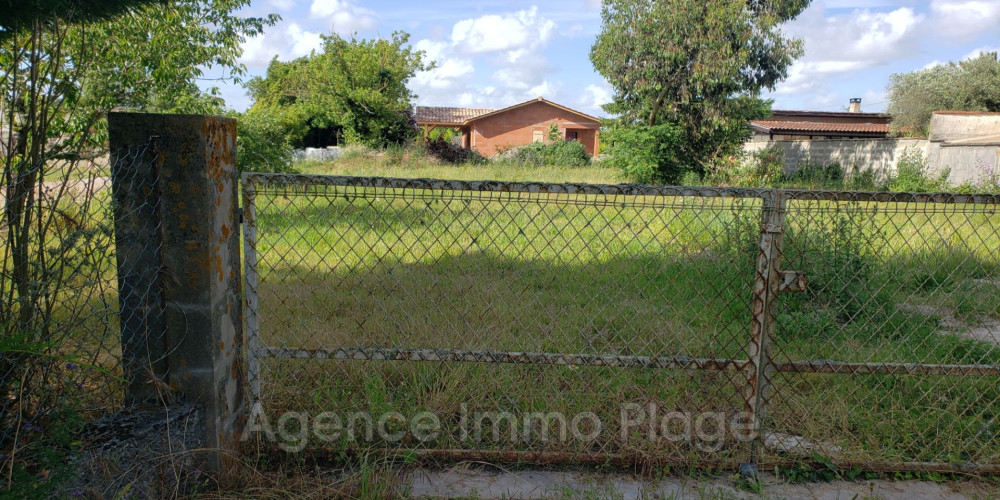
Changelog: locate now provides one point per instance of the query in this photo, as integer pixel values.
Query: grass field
(630, 276)
(421, 167)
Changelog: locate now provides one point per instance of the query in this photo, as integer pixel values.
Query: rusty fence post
(769, 280)
(175, 187)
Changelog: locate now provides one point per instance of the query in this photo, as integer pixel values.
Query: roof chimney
(855, 105)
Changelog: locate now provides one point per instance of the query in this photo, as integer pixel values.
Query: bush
(529, 154)
(261, 144)
(646, 154)
(761, 168)
(447, 152)
(815, 175)
(565, 154)
(558, 153)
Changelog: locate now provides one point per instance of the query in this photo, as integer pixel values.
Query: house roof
(532, 101)
(788, 127)
(431, 115)
(830, 114)
(447, 116)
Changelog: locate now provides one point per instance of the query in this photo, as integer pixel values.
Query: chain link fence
(60, 356)
(631, 324)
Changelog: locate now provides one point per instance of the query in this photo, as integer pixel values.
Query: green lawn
(629, 276)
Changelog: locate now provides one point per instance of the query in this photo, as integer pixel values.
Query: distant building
(489, 131)
(810, 125)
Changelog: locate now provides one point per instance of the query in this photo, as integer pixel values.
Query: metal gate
(624, 323)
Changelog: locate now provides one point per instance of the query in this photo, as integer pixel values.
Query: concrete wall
(970, 163)
(964, 163)
(954, 145)
(957, 125)
(516, 128)
(881, 155)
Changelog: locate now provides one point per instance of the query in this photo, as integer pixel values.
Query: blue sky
(496, 53)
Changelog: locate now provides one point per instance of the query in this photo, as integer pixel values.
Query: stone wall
(881, 155)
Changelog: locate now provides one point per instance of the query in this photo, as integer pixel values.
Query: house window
(571, 135)
(537, 136)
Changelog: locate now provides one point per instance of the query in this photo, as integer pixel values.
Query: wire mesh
(584, 322)
(60, 357)
(891, 356)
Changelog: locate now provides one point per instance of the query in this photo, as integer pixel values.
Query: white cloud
(856, 40)
(450, 76)
(546, 88)
(933, 64)
(344, 16)
(838, 47)
(592, 98)
(510, 46)
(981, 50)
(303, 42)
(964, 20)
(522, 30)
(287, 43)
(254, 52)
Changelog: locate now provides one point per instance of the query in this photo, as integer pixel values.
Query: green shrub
(261, 144)
(815, 175)
(761, 168)
(864, 180)
(565, 154)
(557, 153)
(527, 155)
(646, 154)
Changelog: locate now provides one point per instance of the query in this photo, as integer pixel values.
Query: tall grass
(631, 277)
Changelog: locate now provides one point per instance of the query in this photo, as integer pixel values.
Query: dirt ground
(480, 482)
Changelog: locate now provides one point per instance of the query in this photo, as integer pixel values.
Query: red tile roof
(461, 116)
(592, 119)
(819, 128)
(439, 115)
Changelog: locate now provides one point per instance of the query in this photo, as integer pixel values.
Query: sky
(495, 53)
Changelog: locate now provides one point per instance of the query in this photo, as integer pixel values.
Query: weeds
(912, 175)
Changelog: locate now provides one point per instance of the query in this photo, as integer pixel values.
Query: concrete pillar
(177, 240)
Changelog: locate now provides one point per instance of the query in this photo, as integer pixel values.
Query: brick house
(489, 131)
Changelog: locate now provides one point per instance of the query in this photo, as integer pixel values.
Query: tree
(20, 14)
(355, 86)
(696, 65)
(970, 85)
(59, 76)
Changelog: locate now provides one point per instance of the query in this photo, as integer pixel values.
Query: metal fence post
(250, 294)
(177, 244)
(767, 280)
